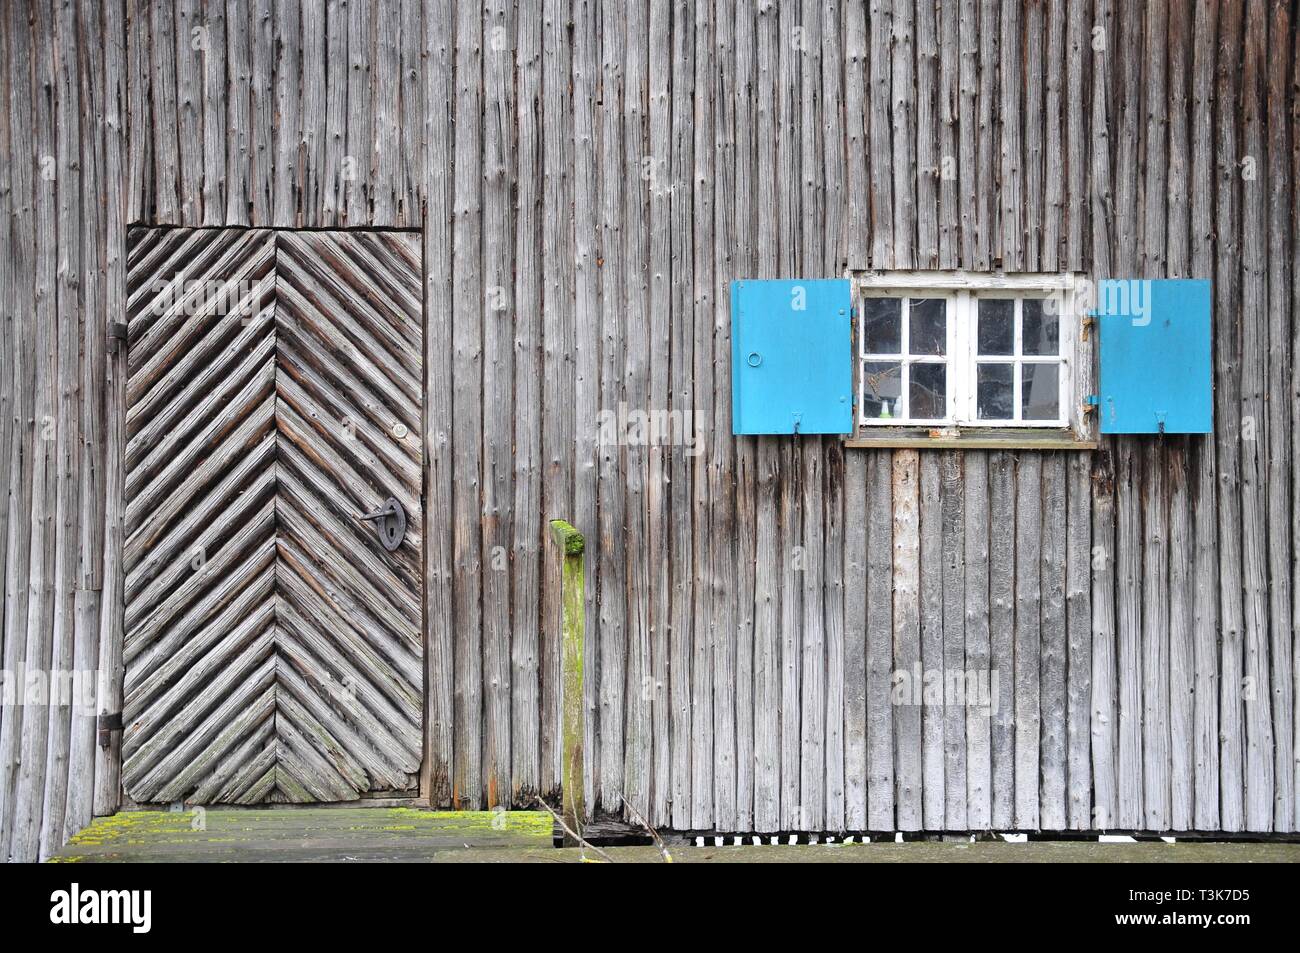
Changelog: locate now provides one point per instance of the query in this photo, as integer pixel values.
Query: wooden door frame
(110, 794)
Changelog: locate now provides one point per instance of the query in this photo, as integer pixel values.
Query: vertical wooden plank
(1077, 45)
(880, 655)
(907, 679)
(1206, 608)
(1181, 684)
(10, 424)
(834, 253)
(216, 122)
(613, 687)
(1028, 637)
(928, 115)
(1227, 415)
(1153, 502)
(1295, 405)
(954, 639)
(855, 464)
(902, 108)
(809, 454)
(525, 570)
(932, 715)
(1052, 659)
(1008, 248)
(1129, 657)
(1100, 183)
(987, 133)
(1047, 247)
(262, 176)
(879, 137)
(1128, 469)
(1040, 129)
(46, 830)
(952, 104)
(163, 28)
(385, 153)
(237, 125)
(695, 457)
(410, 185)
(981, 691)
(103, 623)
(656, 162)
(134, 28)
(586, 338)
(103, 69)
(1078, 626)
(1279, 378)
(334, 134)
(467, 396)
(729, 693)
(788, 230)
(856, 113)
(287, 168)
(190, 38)
(1002, 628)
(314, 110)
(20, 103)
(638, 733)
(969, 111)
(23, 815)
(439, 585)
(834, 616)
(358, 179)
(1254, 515)
(855, 642)
(1181, 549)
(557, 348)
(499, 314)
(834, 199)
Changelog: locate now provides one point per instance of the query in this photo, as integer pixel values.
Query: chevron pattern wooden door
(273, 645)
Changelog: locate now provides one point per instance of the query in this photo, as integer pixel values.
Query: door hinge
(107, 724)
(117, 331)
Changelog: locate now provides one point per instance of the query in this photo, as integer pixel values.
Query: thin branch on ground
(654, 834)
(582, 844)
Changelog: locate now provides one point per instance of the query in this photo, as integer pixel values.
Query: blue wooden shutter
(791, 357)
(1155, 374)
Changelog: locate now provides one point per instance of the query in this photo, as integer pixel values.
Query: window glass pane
(927, 326)
(882, 326)
(1039, 330)
(994, 391)
(927, 387)
(997, 326)
(1040, 391)
(882, 384)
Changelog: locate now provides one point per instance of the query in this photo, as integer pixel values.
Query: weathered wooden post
(573, 585)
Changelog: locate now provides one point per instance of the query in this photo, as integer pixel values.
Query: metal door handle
(391, 523)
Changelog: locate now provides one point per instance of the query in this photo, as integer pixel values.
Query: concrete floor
(406, 834)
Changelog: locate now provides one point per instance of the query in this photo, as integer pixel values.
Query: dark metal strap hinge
(107, 724)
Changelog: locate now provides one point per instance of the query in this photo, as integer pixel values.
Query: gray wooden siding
(588, 177)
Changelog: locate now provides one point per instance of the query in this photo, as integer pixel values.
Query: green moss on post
(573, 597)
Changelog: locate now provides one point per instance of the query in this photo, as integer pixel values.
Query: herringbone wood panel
(273, 647)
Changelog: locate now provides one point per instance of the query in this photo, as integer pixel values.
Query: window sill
(882, 438)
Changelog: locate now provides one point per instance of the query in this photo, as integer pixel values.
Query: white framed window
(953, 354)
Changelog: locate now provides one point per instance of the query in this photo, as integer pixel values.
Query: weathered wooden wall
(589, 176)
